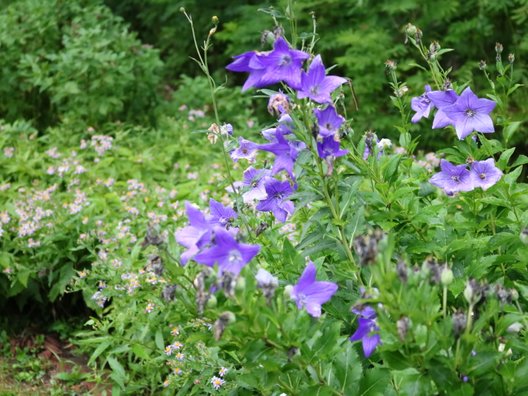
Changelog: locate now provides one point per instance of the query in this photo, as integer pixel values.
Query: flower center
(301, 299)
(455, 179)
(482, 176)
(470, 112)
(328, 126)
(314, 90)
(285, 60)
(234, 257)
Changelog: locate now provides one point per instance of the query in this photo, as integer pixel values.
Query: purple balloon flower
(452, 178)
(281, 64)
(311, 294)
(328, 121)
(230, 255)
(241, 64)
(422, 105)
(253, 183)
(442, 99)
(316, 85)
(195, 235)
(329, 147)
(285, 151)
(367, 330)
(276, 202)
(221, 215)
(246, 150)
(485, 174)
(470, 113)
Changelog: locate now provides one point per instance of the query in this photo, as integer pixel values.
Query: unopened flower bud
(214, 128)
(403, 325)
(390, 64)
(267, 283)
(278, 104)
(384, 144)
(511, 58)
(498, 48)
(418, 36)
(503, 294)
(514, 327)
(410, 29)
(514, 294)
(223, 320)
(267, 38)
(473, 291)
(402, 271)
(182, 9)
(524, 236)
(212, 301)
(212, 138)
(240, 284)
(214, 20)
(226, 129)
(447, 85)
(469, 293)
(459, 323)
(400, 92)
(288, 291)
(433, 49)
(482, 65)
(446, 277)
(169, 292)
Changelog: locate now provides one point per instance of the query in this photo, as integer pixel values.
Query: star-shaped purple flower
(471, 113)
(311, 294)
(441, 100)
(316, 85)
(485, 174)
(281, 64)
(285, 151)
(221, 215)
(194, 236)
(452, 178)
(367, 330)
(230, 255)
(328, 121)
(241, 64)
(422, 105)
(276, 201)
(254, 179)
(329, 147)
(246, 150)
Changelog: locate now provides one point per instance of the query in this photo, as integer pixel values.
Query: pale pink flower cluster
(102, 143)
(9, 152)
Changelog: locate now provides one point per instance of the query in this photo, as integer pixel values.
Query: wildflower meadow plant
(323, 260)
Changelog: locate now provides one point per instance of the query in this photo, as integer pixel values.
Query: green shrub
(74, 62)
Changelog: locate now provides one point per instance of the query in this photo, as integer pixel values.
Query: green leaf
(159, 340)
(118, 372)
(100, 349)
(511, 177)
(505, 157)
(510, 129)
(140, 351)
(348, 369)
(374, 382)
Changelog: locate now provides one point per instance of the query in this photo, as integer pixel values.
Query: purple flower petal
(485, 174)
(311, 294)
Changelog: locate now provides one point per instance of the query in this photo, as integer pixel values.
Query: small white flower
(217, 382)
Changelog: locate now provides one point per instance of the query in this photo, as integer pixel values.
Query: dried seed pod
(459, 323)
